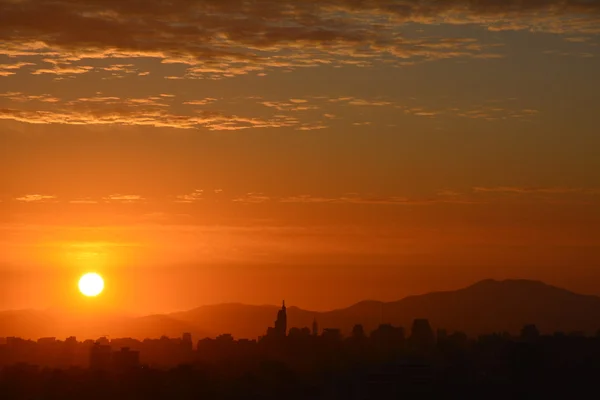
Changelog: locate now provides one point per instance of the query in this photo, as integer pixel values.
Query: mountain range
(485, 307)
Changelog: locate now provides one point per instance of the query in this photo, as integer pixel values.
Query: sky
(325, 152)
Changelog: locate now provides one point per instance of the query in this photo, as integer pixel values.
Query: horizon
(502, 306)
(293, 305)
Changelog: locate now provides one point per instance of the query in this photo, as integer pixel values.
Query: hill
(485, 307)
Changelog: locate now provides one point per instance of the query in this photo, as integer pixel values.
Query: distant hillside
(33, 324)
(487, 306)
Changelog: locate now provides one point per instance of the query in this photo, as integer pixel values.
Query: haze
(322, 152)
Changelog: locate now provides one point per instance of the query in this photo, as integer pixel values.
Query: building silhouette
(422, 337)
(100, 356)
(186, 342)
(281, 322)
(280, 329)
(126, 359)
(315, 327)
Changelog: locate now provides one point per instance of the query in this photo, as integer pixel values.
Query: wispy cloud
(201, 102)
(84, 200)
(64, 70)
(252, 198)
(355, 198)
(35, 198)
(475, 195)
(124, 198)
(21, 97)
(578, 39)
(535, 190)
(311, 113)
(196, 195)
(11, 69)
(580, 54)
(352, 198)
(292, 105)
(142, 112)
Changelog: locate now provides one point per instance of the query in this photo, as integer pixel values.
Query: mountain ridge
(484, 307)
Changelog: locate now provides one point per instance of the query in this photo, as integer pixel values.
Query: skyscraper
(281, 322)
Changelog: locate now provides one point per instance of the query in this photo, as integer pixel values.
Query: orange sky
(325, 152)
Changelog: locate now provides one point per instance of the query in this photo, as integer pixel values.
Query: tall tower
(315, 327)
(281, 322)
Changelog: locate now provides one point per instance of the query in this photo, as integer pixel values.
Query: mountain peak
(524, 283)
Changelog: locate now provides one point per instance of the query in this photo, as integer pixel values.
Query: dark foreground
(301, 366)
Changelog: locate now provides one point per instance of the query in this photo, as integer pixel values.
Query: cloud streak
(35, 198)
(138, 112)
(167, 111)
(533, 190)
(476, 195)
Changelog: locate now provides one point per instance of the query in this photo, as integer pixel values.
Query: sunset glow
(237, 198)
(249, 151)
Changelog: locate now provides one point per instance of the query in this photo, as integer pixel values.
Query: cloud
(475, 195)
(478, 111)
(534, 190)
(63, 70)
(35, 198)
(85, 200)
(292, 105)
(578, 39)
(363, 102)
(22, 98)
(582, 54)
(164, 110)
(124, 198)
(252, 198)
(217, 39)
(312, 127)
(193, 197)
(356, 198)
(202, 102)
(151, 111)
(10, 69)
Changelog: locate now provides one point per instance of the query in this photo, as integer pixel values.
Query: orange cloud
(476, 195)
(21, 97)
(356, 198)
(193, 197)
(123, 198)
(252, 198)
(292, 105)
(533, 190)
(166, 111)
(141, 113)
(35, 198)
(9, 69)
(202, 102)
(63, 70)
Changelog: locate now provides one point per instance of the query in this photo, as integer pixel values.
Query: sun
(91, 284)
